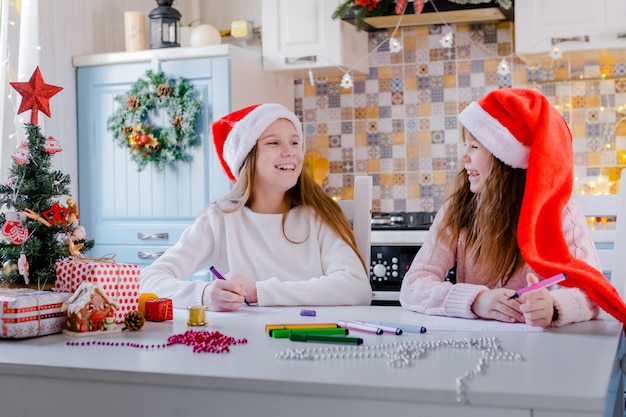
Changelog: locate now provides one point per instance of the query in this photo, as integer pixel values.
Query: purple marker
(220, 276)
(216, 273)
(310, 313)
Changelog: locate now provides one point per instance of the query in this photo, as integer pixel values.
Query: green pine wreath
(131, 128)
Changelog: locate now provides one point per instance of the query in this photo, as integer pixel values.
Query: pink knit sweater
(425, 291)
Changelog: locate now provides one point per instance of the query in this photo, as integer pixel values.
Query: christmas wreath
(131, 128)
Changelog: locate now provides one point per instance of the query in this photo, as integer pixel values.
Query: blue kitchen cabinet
(138, 215)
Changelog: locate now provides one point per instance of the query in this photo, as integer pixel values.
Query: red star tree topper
(35, 95)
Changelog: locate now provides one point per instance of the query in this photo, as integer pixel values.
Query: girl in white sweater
(277, 237)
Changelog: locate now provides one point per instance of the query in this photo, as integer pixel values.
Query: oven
(396, 238)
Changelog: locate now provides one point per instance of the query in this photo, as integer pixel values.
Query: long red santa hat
(522, 129)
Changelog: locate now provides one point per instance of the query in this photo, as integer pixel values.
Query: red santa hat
(236, 134)
(522, 129)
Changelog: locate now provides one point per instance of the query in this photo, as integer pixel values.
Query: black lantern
(164, 22)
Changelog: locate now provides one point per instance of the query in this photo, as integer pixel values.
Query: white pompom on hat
(236, 134)
(522, 129)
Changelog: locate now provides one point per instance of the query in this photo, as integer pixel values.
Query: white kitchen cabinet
(139, 214)
(301, 34)
(540, 25)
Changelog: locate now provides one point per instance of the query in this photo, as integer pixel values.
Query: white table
(572, 371)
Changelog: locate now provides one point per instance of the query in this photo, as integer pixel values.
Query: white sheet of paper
(441, 323)
(244, 310)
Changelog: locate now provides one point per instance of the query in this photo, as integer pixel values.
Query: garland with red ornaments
(131, 127)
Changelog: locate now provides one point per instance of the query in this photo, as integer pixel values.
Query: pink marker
(541, 284)
(360, 327)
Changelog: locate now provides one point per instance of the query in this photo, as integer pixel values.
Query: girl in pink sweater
(511, 222)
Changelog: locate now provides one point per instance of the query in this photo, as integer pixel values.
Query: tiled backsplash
(398, 123)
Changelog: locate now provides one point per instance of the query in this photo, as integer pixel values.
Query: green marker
(284, 334)
(303, 337)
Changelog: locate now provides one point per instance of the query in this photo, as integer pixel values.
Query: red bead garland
(202, 341)
(205, 341)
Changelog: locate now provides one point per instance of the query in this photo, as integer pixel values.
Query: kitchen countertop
(573, 370)
(399, 237)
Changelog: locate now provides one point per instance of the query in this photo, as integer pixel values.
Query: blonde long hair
(490, 219)
(306, 193)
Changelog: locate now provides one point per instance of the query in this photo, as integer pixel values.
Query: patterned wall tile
(398, 123)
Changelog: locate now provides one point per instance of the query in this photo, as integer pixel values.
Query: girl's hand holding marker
(221, 277)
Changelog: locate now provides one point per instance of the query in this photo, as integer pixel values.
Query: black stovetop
(416, 220)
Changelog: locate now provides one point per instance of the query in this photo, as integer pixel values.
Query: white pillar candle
(134, 31)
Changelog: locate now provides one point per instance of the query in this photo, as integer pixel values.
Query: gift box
(27, 312)
(119, 281)
(159, 309)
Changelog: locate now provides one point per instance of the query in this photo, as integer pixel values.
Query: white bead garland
(403, 354)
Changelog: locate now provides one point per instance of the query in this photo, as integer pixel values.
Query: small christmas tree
(39, 220)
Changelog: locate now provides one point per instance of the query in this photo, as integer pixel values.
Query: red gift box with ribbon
(27, 312)
(119, 281)
(159, 309)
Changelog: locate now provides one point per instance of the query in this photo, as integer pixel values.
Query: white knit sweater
(320, 270)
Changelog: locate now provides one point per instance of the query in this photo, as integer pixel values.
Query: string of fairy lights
(446, 42)
(26, 59)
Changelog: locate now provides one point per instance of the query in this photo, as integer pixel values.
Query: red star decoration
(35, 95)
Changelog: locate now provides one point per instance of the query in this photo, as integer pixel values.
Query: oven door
(389, 263)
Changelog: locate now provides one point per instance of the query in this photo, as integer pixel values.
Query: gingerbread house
(89, 309)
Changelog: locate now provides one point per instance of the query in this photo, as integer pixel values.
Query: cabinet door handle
(310, 58)
(146, 236)
(572, 39)
(147, 255)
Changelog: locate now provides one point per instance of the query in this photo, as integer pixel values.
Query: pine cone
(133, 321)
(132, 103)
(164, 90)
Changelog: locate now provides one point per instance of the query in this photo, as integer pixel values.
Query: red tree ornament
(35, 95)
(14, 229)
(56, 214)
(52, 146)
(21, 154)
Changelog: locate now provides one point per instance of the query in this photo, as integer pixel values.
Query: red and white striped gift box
(27, 312)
